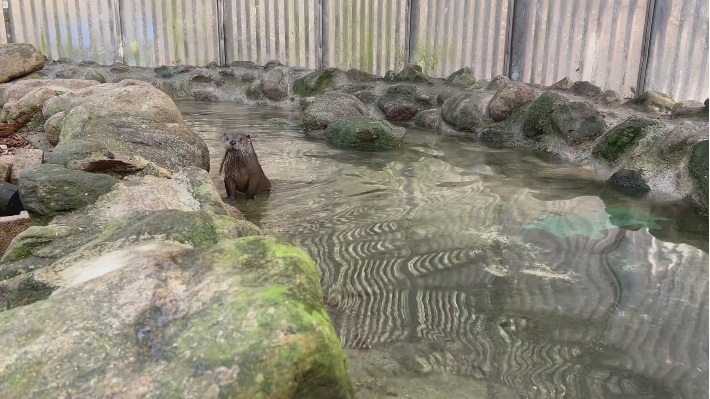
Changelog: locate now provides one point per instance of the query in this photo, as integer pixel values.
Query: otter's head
(237, 141)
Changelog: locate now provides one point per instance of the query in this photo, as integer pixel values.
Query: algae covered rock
(19, 59)
(463, 78)
(698, 167)
(554, 113)
(364, 133)
(624, 137)
(317, 82)
(497, 82)
(241, 319)
(357, 75)
(48, 190)
(90, 74)
(330, 107)
(427, 119)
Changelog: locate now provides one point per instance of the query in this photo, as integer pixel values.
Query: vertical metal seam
(645, 47)
(509, 31)
(119, 30)
(221, 33)
(9, 23)
(408, 34)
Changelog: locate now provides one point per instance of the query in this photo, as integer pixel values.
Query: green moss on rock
(364, 133)
(698, 168)
(316, 82)
(537, 118)
(35, 237)
(463, 78)
(413, 73)
(623, 138)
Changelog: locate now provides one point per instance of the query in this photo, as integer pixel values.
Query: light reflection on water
(437, 289)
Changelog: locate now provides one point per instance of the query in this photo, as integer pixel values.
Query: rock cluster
(134, 271)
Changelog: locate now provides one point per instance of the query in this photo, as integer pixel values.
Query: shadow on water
(453, 270)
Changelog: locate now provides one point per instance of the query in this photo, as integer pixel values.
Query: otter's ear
(249, 136)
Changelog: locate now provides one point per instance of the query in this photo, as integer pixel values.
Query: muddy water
(451, 270)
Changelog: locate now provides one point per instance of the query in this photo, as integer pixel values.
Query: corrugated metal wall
(75, 29)
(598, 41)
(451, 34)
(169, 32)
(264, 30)
(366, 34)
(3, 37)
(678, 51)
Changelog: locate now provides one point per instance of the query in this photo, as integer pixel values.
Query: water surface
(451, 270)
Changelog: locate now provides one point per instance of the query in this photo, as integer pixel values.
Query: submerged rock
(330, 107)
(364, 133)
(427, 119)
(243, 318)
(19, 59)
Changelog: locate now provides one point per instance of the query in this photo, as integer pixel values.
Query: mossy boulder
(19, 59)
(364, 133)
(497, 82)
(555, 113)
(330, 107)
(623, 138)
(28, 242)
(318, 82)
(357, 75)
(586, 89)
(698, 167)
(536, 121)
(49, 190)
(463, 78)
(508, 98)
(90, 74)
(413, 73)
(241, 319)
(274, 84)
(427, 119)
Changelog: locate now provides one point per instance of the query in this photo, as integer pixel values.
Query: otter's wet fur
(242, 171)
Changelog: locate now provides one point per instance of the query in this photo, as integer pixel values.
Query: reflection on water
(456, 271)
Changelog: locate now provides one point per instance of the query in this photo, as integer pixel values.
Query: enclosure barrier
(626, 45)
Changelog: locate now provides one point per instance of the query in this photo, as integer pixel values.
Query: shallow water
(451, 270)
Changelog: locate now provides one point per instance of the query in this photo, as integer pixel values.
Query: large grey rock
(27, 107)
(330, 107)
(274, 84)
(318, 82)
(510, 96)
(243, 318)
(364, 133)
(48, 190)
(623, 138)
(19, 59)
(654, 101)
(412, 73)
(554, 113)
(53, 127)
(463, 78)
(463, 112)
(16, 90)
(401, 103)
(586, 89)
(427, 119)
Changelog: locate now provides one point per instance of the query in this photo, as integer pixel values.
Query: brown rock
(587, 89)
(10, 227)
(19, 59)
(22, 159)
(5, 171)
(509, 97)
(564, 84)
(685, 109)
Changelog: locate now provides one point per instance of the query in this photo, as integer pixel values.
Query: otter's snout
(233, 142)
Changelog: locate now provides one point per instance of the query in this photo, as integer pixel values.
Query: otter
(242, 171)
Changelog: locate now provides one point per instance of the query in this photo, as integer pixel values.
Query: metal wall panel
(452, 34)
(366, 34)
(75, 29)
(678, 51)
(264, 30)
(169, 32)
(595, 40)
(3, 36)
